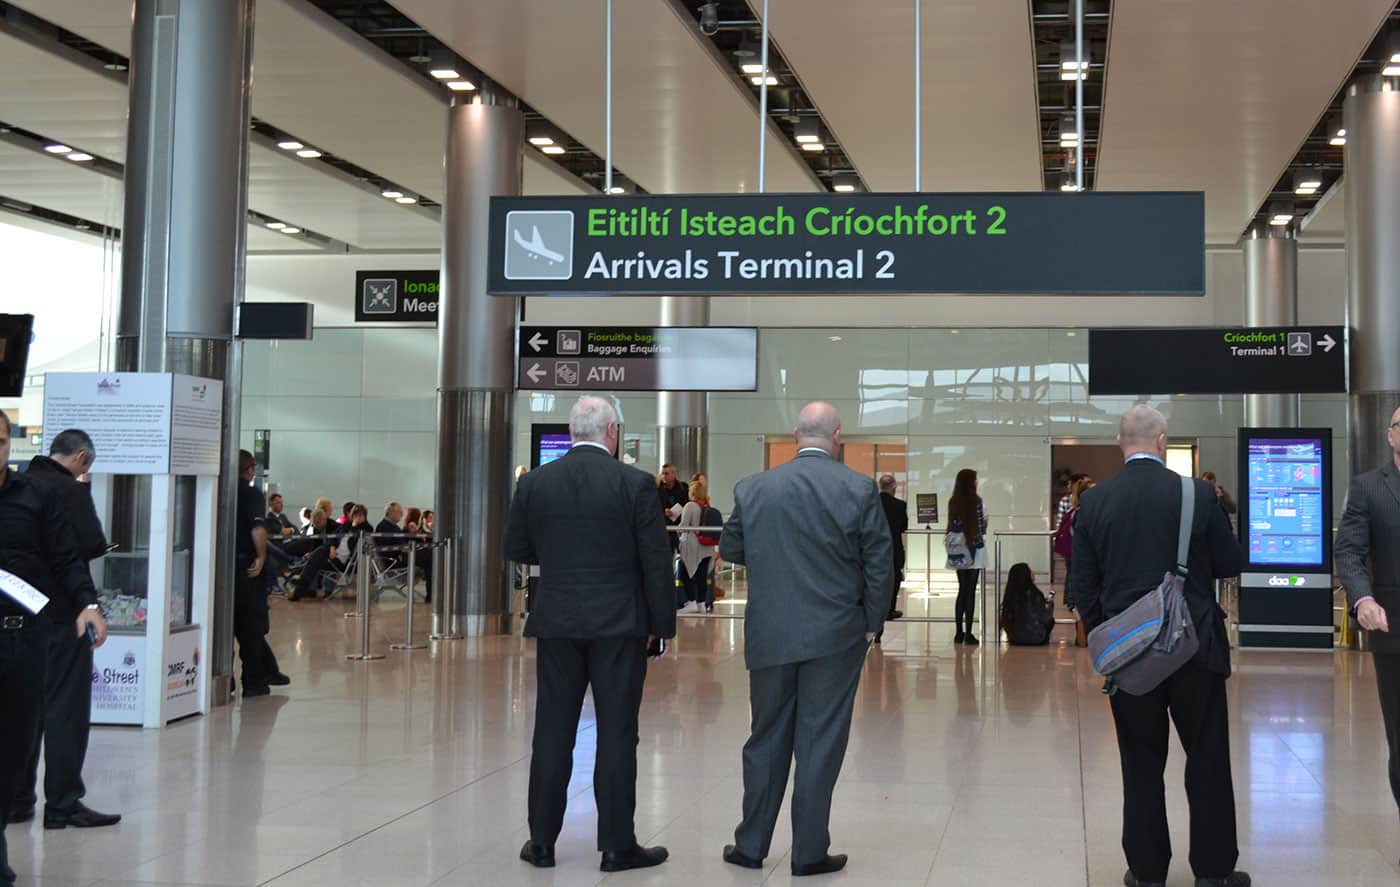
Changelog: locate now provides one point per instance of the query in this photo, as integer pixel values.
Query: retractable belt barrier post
(362, 571)
(408, 643)
(447, 627)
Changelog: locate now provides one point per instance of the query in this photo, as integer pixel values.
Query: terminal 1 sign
(800, 244)
(1228, 360)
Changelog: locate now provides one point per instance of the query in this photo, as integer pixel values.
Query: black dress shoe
(250, 692)
(1132, 880)
(824, 866)
(1234, 879)
(734, 857)
(79, 817)
(970, 640)
(278, 680)
(894, 614)
(636, 858)
(21, 814)
(538, 855)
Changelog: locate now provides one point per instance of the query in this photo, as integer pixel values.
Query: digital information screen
(553, 446)
(548, 442)
(1286, 507)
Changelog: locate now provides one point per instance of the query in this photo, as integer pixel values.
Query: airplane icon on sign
(535, 246)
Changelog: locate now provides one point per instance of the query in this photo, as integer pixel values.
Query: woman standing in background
(967, 520)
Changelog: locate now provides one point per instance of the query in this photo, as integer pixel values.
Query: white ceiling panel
(1213, 96)
(55, 98)
(980, 126)
(680, 122)
(76, 190)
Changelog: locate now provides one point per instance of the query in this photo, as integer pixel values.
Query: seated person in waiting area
(1027, 615)
(326, 534)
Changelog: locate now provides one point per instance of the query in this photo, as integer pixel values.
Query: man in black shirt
(673, 495)
(250, 623)
(38, 550)
(281, 531)
(897, 515)
(63, 729)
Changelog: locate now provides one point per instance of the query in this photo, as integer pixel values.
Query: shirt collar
(589, 443)
(814, 450)
(1137, 457)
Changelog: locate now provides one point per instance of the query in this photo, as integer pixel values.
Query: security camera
(709, 18)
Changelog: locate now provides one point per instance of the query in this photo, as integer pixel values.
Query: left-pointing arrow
(537, 342)
(535, 373)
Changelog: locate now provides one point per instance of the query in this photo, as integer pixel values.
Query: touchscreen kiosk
(548, 442)
(1285, 528)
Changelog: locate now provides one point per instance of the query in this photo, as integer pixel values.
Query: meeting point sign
(801, 244)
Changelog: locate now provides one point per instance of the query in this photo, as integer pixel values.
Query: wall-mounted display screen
(1286, 518)
(15, 333)
(548, 442)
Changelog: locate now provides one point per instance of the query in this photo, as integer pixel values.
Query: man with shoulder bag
(1143, 596)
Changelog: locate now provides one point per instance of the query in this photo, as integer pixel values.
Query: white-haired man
(605, 592)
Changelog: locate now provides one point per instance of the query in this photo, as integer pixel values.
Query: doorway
(871, 456)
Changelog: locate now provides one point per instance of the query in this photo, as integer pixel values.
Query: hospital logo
(539, 245)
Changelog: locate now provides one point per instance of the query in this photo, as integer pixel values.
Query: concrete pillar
(683, 433)
(476, 376)
(183, 240)
(1372, 118)
(1271, 299)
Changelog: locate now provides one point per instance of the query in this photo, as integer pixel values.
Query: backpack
(709, 517)
(1064, 534)
(1145, 644)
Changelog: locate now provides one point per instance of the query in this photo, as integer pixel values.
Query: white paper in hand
(676, 512)
(22, 593)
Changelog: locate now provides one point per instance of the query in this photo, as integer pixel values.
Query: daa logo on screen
(539, 245)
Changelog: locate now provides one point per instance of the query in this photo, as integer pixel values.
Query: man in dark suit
(1125, 540)
(814, 538)
(1370, 535)
(897, 514)
(393, 513)
(605, 593)
(63, 730)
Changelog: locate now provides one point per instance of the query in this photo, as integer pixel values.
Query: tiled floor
(966, 767)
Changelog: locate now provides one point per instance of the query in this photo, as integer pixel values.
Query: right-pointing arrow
(1327, 342)
(535, 373)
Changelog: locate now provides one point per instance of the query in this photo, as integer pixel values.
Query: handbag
(960, 556)
(1145, 644)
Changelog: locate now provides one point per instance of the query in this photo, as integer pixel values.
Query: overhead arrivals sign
(638, 358)
(801, 244)
(1228, 360)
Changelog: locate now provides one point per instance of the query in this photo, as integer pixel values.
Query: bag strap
(1183, 537)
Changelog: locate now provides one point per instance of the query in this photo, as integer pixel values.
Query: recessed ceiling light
(1395, 58)
(804, 138)
(405, 200)
(1337, 141)
(1071, 333)
(290, 145)
(276, 226)
(757, 80)
(445, 74)
(845, 183)
(79, 157)
(1281, 219)
(1069, 186)
(813, 146)
(57, 149)
(391, 194)
(290, 230)
(617, 189)
(309, 153)
(751, 68)
(552, 149)
(834, 338)
(461, 85)
(115, 66)
(1391, 70)
(844, 189)
(541, 141)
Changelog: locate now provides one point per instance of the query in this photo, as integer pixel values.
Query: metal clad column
(1271, 299)
(1372, 118)
(683, 435)
(476, 374)
(183, 235)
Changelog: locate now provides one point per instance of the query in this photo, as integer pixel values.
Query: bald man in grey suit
(814, 538)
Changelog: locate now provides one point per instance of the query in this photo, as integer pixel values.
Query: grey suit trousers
(802, 709)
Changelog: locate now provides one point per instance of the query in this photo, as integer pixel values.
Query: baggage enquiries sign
(801, 244)
(638, 358)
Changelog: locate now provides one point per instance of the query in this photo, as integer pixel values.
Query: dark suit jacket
(817, 547)
(1367, 550)
(897, 514)
(387, 526)
(1125, 541)
(592, 525)
(54, 482)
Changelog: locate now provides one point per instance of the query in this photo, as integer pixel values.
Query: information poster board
(926, 505)
(183, 685)
(141, 423)
(1285, 527)
(118, 675)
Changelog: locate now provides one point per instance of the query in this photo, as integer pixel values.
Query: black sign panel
(1231, 360)
(797, 244)
(262, 448)
(396, 296)
(926, 504)
(276, 320)
(638, 358)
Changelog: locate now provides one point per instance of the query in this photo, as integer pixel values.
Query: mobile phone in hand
(91, 634)
(657, 648)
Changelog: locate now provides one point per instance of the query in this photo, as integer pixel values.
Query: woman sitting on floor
(1027, 615)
